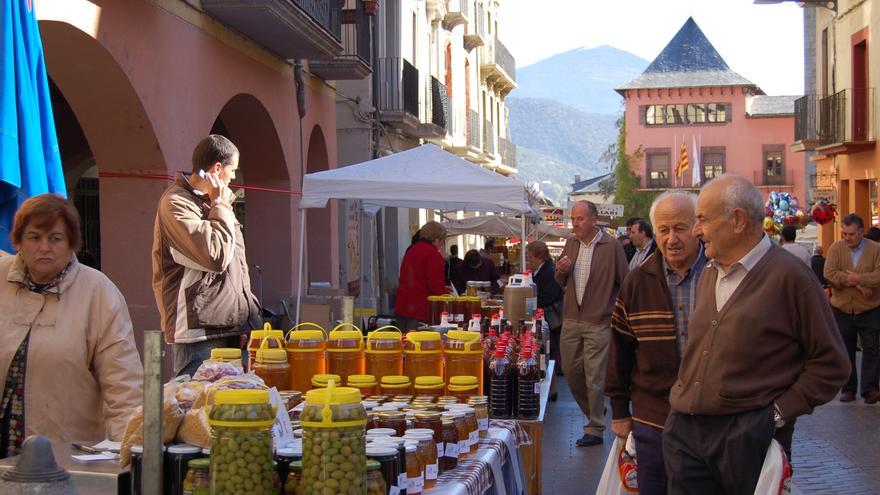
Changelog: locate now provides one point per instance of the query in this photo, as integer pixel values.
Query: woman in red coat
(421, 275)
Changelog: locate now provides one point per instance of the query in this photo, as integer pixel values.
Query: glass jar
(463, 431)
(375, 482)
(241, 417)
(459, 309)
(430, 421)
(415, 476)
(481, 407)
(271, 365)
(384, 352)
(449, 461)
(198, 480)
(345, 351)
(426, 450)
(389, 465)
(294, 478)
(436, 305)
(334, 444)
(423, 353)
(429, 386)
(176, 465)
(306, 354)
(379, 399)
(365, 383)
(394, 384)
(402, 399)
(396, 443)
(464, 387)
(393, 420)
(323, 380)
(470, 415)
(474, 306)
(463, 352)
(275, 337)
(284, 457)
(227, 355)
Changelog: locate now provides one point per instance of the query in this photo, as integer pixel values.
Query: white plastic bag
(619, 475)
(775, 476)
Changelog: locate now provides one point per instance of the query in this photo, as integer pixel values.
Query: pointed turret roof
(689, 60)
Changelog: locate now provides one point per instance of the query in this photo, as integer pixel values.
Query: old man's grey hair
(688, 196)
(742, 194)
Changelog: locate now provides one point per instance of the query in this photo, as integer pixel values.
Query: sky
(763, 43)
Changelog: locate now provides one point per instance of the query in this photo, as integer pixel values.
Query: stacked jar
(334, 444)
(481, 407)
(463, 387)
(384, 352)
(424, 354)
(323, 380)
(238, 418)
(427, 453)
(345, 351)
(271, 365)
(306, 351)
(276, 341)
(429, 386)
(473, 429)
(463, 352)
(395, 384)
(365, 383)
(227, 355)
(389, 464)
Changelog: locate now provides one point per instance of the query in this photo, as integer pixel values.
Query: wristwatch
(778, 420)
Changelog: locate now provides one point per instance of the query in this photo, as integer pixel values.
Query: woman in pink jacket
(69, 368)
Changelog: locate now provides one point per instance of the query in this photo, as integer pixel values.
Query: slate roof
(770, 106)
(688, 61)
(590, 185)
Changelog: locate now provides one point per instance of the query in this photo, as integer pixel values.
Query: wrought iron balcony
(439, 104)
(289, 28)
(489, 138)
(507, 150)
(475, 32)
(354, 61)
(475, 130)
(456, 13)
(842, 123)
(498, 67)
(398, 96)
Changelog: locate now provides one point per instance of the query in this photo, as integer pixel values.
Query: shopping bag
(775, 476)
(619, 475)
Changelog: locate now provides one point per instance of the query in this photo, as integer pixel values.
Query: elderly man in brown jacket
(762, 349)
(852, 269)
(591, 270)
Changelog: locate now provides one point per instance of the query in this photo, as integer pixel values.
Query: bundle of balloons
(824, 211)
(782, 209)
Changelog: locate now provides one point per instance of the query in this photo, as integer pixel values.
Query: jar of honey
(306, 355)
(463, 387)
(276, 341)
(435, 306)
(463, 352)
(424, 354)
(459, 309)
(384, 352)
(365, 383)
(395, 384)
(321, 381)
(345, 351)
(271, 365)
(429, 385)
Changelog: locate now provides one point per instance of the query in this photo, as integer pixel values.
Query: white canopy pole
(522, 244)
(302, 254)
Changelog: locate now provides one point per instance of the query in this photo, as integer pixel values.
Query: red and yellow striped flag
(683, 161)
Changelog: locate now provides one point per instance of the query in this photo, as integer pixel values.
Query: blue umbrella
(30, 163)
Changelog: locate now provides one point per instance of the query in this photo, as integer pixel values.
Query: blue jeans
(188, 357)
(649, 458)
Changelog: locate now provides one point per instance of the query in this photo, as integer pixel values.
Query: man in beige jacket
(852, 269)
(200, 273)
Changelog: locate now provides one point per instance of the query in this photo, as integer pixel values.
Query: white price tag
(474, 437)
(394, 490)
(452, 450)
(431, 471)
(282, 430)
(415, 485)
(440, 449)
(401, 480)
(464, 446)
(483, 423)
(538, 388)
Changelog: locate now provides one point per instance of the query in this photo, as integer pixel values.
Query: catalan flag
(683, 160)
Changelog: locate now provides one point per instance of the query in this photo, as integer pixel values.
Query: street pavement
(836, 450)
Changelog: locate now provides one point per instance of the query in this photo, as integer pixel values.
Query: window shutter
(729, 112)
(643, 114)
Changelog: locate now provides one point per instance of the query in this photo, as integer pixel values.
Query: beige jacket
(838, 262)
(84, 376)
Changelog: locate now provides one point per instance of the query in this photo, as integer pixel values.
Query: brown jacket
(200, 275)
(607, 272)
(838, 262)
(774, 341)
(84, 376)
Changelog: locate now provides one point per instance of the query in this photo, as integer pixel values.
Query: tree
(636, 203)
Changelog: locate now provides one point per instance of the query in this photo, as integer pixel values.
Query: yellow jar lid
(395, 380)
(433, 298)
(262, 334)
(225, 353)
(241, 397)
(429, 381)
(345, 334)
(305, 335)
(320, 380)
(361, 380)
(463, 380)
(271, 356)
(446, 298)
(423, 336)
(463, 335)
(384, 335)
(335, 396)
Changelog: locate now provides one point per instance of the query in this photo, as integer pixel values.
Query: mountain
(583, 78)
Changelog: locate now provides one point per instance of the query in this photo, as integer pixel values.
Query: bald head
(673, 216)
(584, 215)
(730, 212)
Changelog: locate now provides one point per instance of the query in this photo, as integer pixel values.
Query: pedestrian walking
(852, 269)
(200, 271)
(650, 333)
(761, 349)
(641, 234)
(591, 269)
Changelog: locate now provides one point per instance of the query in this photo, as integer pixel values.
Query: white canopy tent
(423, 177)
(500, 226)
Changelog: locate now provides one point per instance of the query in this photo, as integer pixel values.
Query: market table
(495, 469)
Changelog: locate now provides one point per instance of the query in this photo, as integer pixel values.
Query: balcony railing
(505, 59)
(489, 138)
(776, 178)
(475, 32)
(439, 104)
(456, 13)
(398, 86)
(290, 28)
(845, 118)
(507, 150)
(354, 61)
(474, 129)
(498, 66)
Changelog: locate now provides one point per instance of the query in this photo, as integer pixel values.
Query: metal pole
(522, 244)
(302, 255)
(151, 481)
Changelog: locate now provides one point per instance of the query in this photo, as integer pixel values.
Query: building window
(675, 114)
(712, 163)
(654, 115)
(696, 113)
(658, 161)
(774, 164)
(716, 112)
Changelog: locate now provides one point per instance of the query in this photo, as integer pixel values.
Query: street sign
(610, 210)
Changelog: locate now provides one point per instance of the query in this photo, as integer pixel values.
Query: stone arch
(267, 219)
(319, 234)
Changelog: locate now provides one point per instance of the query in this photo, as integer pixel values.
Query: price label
(474, 437)
(483, 424)
(464, 445)
(452, 450)
(431, 471)
(415, 484)
(394, 490)
(440, 449)
(538, 388)
(401, 480)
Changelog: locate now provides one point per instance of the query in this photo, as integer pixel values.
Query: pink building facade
(690, 94)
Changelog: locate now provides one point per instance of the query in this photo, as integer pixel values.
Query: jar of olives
(375, 482)
(241, 446)
(334, 445)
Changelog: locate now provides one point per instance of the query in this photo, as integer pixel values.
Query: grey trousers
(584, 350)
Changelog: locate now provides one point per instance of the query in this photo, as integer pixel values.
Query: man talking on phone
(200, 273)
